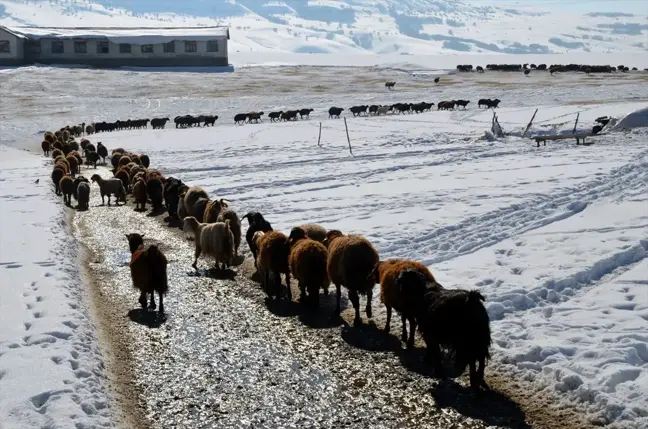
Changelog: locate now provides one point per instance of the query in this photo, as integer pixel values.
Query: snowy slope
(51, 372)
(355, 26)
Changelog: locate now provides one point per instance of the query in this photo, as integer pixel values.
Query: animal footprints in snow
(517, 271)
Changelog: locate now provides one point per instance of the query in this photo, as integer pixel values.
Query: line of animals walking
(453, 319)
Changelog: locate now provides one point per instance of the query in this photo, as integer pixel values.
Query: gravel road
(224, 357)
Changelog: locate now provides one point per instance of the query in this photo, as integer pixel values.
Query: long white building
(114, 46)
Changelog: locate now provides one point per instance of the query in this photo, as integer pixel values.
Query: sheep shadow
(214, 273)
(151, 319)
(489, 406)
(283, 307)
(367, 336)
(323, 317)
(156, 212)
(81, 209)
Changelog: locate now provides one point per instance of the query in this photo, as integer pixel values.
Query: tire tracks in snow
(478, 232)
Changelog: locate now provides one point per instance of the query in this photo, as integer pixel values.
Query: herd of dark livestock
(453, 319)
(554, 68)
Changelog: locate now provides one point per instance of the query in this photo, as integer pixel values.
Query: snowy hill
(358, 26)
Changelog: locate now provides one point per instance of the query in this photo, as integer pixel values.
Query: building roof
(133, 35)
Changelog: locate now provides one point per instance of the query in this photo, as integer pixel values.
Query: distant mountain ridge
(357, 26)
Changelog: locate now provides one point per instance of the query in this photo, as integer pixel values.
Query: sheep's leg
(338, 289)
(388, 322)
(355, 299)
(277, 284)
(433, 356)
(288, 286)
(302, 290)
(474, 378)
(196, 255)
(480, 372)
(410, 340)
(152, 306)
(368, 308)
(142, 300)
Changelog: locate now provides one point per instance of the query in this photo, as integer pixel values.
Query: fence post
(348, 139)
(530, 122)
(576, 124)
(320, 135)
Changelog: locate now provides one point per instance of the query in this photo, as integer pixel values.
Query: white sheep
(112, 186)
(212, 239)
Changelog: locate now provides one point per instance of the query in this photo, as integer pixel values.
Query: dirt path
(224, 357)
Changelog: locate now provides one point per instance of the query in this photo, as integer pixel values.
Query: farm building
(114, 46)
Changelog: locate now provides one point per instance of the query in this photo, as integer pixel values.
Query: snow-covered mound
(636, 119)
(354, 26)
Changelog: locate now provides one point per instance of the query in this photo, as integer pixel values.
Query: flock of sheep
(453, 319)
(585, 68)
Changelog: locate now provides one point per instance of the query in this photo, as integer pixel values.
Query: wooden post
(530, 122)
(320, 135)
(574, 131)
(348, 139)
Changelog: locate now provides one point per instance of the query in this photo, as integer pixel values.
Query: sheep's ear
(143, 235)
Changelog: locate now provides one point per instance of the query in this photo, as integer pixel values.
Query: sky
(638, 7)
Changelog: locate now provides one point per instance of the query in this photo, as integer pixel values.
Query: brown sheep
(57, 175)
(123, 161)
(77, 155)
(92, 158)
(190, 197)
(148, 267)
(139, 193)
(114, 159)
(66, 185)
(235, 226)
(45, 145)
(272, 260)
(63, 163)
(74, 164)
(155, 192)
(213, 209)
(385, 273)
(307, 262)
(199, 208)
(49, 137)
(351, 260)
(74, 145)
(136, 159)
(256, 237)
(123, 175)
(314, 231)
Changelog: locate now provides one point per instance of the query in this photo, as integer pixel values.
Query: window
(147, 49)
(33, 46)
(212, 46)
(124, 48)
(169, 48)
(80, 48)
(4, 46)
(103, 48)
(58, 47)
(191, 47)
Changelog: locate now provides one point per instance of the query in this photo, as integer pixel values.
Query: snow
(51, 372)
(636, 119)
(133, 35)
(412, 27)
(555, 238)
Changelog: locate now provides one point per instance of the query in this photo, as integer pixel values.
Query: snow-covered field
(51, 371)
(555, 237)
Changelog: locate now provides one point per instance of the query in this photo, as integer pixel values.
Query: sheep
(83, 195)
(74, 164)
(74, 145)
(402, 300)
(254, 116)
(78, 157)
(145, 160)
(235, 226)
(454, 319)
(148, 267)
(172, 190)
(274, 116)
(272, 261)
(351, 260)
(462, 103)
(305, 113)
(191, 197)
(49, 136)
(89, 129)
(139, 193)
(114, 159)
(436, 79)
(56, 153)
(256, 223)
(66, 185)
(255, 240)
(241, 117)
(314, 231)
(382, 110)
(390, 85)
(213, 209)
(102, 151)
(57, 175)
(358, 110)
(123, 175)
(45, 145)
(334, 112)
(307, 261)
(124, 160)
(77, 181)
(155, 191)
(91, 159)
(112, 186)
(212, 239)
(290, 115)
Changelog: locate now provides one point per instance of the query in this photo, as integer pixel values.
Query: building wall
(135, 58)
(16, 53)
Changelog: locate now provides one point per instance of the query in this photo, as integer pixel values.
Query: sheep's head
(135, 240)
(189, 225)
(296, 234)
(331, 235)
(95, 178)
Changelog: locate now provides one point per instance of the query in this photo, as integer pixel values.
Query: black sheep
(256, 222)
(241, 117)
(334, 112)
(454, 319)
